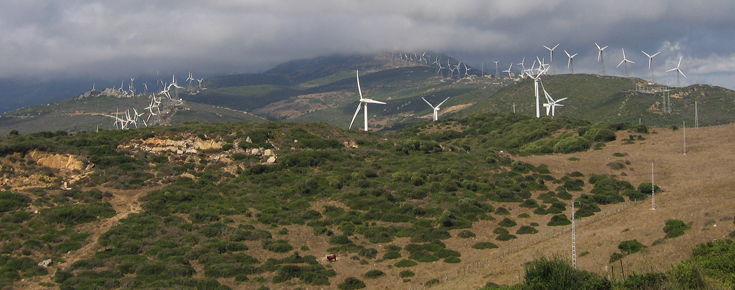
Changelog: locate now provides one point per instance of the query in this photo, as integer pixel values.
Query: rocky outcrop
(187, 146)
(57, 161)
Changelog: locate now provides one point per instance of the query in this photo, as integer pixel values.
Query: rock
(247, 140)
(45, 263)
(267, 152)
(271, 160)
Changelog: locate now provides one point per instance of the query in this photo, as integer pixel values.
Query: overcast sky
(121, 39)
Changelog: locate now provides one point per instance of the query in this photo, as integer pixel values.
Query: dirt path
(125, 202)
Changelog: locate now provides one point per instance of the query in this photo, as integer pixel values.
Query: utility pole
(574, 239)
(653, 190)
(696, 115)
(684, 126)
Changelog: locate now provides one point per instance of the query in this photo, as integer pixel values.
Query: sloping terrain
(245, 205)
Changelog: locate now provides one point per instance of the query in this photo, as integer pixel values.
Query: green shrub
(645, 281)
(675, 228)
(78, 214)
(372, 274)
(391, 255)
(646, 188)
(406, 274)
(452, 260)
(465, 234)
(559, 220)
(11, 201)
(558, 274)
(484, 245)
(505, 237)
(508, 223)
(277, 246)
(525, 230)
(501, 231)
(502, 211)
(351, 283)
(339, 240)
(432, 282)
(630, 246)
(405, 263)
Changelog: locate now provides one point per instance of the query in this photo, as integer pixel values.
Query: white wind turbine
(570, 66)
(508, 71)
(363, 102)
(200, 83)
(536, 80)
(679, 72)
(523, 67)
(450, 69)
(600, 57)
(497, 74)
(551, 52)
(466, 70)
(551, 103)
(190, 78)
(650, 61)
(436, 108)
(626, 62)
(439, 72)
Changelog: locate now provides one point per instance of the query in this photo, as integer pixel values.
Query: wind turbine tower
(497, 74)
(363, 102)
(600, 57)
(551, 52)
(650, 61)
(570, 66)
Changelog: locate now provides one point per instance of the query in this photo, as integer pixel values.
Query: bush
(406, 274)
(372, 274)
(508, 223)
(558, 274)
(391, 255)
(501, 231)
(466, 234)
(645, 281)
(559, 220)
(405, 263)
(525, 230)
(675, 228)
(646, 188)
(351, 283)
(278, 246)
(630, 246)
(10, 201)
(452, 260)
(484, 245)
(505, 237)
(502, 211)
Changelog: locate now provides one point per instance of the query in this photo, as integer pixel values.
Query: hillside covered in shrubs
(254, 205)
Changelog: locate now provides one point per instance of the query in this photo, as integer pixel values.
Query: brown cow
(332, 257)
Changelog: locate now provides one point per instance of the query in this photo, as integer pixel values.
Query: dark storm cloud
(47, 39)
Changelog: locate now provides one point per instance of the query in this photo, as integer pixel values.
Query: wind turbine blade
(439, 105)
(559, 100)
(646, 54)
(682, 73)
(567, 54)
(573, 55)
(621, 62)
(555, 46)
(655, 54)
(371, 101)
(673, 69)
(355, 116)
(358, 84)
(427, 102)
(677, 66)
(547, 47)
(605, 47)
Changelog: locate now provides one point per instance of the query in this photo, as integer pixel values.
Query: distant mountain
(324, 89)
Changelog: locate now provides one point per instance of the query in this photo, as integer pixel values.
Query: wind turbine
(536, 80)
(551, 103)
(650, 61)
(508, 70)
(190, 78)
(551, 52)
(625, 61)
(679, 72)
(569, 64)
(200, 83)
(466, 70)
(497, 74)
(600, 57)
(523, 66)
(439, 72)
(363, 102)
(436, 109)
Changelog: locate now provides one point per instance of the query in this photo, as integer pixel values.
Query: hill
(323, 89)
(96, 111)
(616, 99)
(245, 205)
